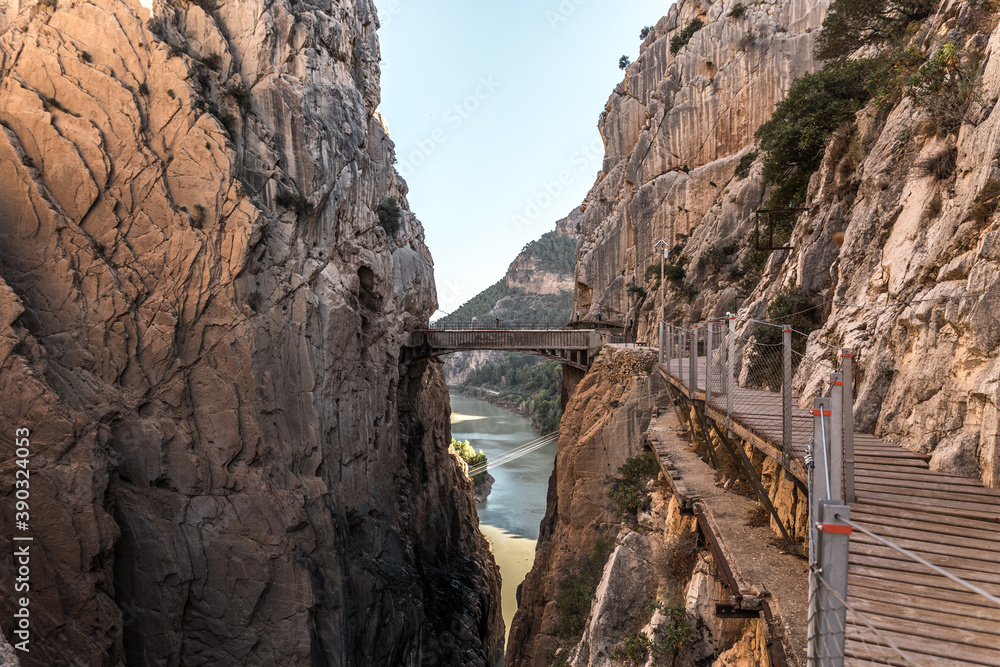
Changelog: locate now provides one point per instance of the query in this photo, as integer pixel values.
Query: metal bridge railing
(741, 374)
(507, 339)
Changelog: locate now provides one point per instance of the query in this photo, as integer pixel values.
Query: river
(510, 516)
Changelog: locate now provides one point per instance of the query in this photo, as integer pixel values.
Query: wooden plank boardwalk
(950, 521)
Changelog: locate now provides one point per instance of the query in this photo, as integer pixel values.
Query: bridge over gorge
(573, 347)
(903, 559)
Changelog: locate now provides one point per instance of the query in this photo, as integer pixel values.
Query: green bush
(576, 590)
(737, 12)
(947, 84)
(677, 634)
(794, 139)
(746, 162)
(296, 202)
(644, 33)
(852, 24)
(624, 62)
(390, 216)
(628, 494)
(242, 96)
(636, 291)
(680, 40)
(633, 649)
(640, 469)
(674, 273)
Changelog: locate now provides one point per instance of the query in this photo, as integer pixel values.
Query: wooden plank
(890, 559)
(956, 604)
(983, 503)
(933, 522)
(937, 478)
(951, 627)
(973, 647)
(982, 561)
(920, 651)
(931, 505)
(891, 570)
(863, 642)
(889, 461)
(931, 532)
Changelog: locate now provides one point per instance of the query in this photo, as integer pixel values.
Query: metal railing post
(693, 360)
(669, 341)
(786, 396)
(830, 618)
(847, 369)
(681, 341)
(710, 325)
(661, 343)
(731, 369)
(837, 437)
(819, 488)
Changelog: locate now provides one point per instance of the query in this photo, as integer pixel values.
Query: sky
(493, 106)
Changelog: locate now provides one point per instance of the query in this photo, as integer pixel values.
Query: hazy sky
(493, 106)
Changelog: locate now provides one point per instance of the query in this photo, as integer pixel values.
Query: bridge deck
(950, 521)
(570, 346)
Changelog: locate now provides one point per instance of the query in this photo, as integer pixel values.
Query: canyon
(210, 270)
(203, 294)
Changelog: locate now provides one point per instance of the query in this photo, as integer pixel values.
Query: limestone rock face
(578, 513)
(674, 132)
(526, 273)
(912, 283)
(200, 322)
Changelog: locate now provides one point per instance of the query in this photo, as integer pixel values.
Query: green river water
(510, 516)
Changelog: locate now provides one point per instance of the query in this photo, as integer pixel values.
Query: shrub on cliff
(577, 588)
(680, 40)
(794, 139)
(628, 494)
(852, 24)
(390, 216)
(624, 62)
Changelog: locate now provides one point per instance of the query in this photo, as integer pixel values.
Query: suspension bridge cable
(514, 454)
(909, 554)
(496, 464)
(519, 451)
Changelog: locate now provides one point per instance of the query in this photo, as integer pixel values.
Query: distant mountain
(537, 290)
(538, 286)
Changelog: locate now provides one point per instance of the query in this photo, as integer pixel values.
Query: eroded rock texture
(914, 200)
(200, 320)
(674, 132)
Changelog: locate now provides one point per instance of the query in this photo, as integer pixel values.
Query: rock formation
(900, 226)
(200, 323)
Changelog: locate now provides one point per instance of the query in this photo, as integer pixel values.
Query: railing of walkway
(739, 372)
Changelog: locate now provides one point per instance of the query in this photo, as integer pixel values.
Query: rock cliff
(896, 249)
(200, 323)
(600, 584)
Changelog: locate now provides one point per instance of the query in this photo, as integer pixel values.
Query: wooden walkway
(950, 521)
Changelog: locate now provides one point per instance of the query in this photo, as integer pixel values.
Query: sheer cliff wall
(897, 248)
(200, 322)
